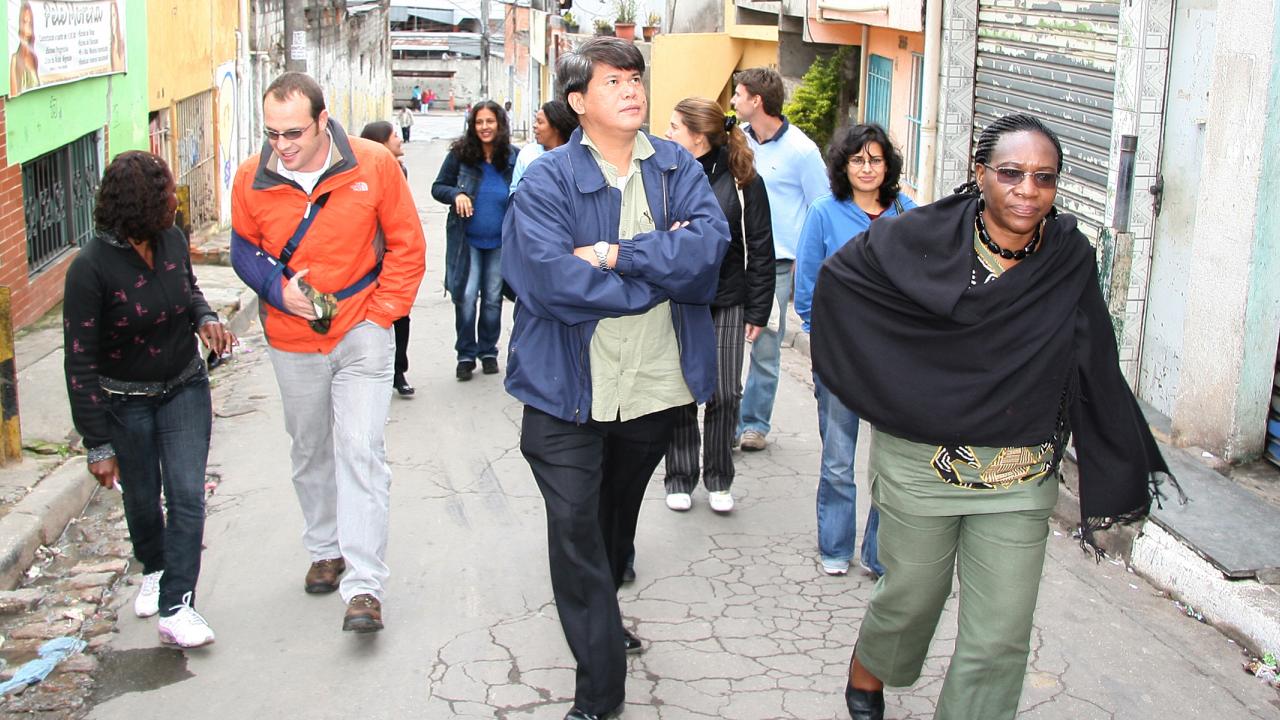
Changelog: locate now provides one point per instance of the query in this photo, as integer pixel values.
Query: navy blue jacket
(563, 203)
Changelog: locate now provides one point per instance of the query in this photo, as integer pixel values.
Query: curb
(41, 517)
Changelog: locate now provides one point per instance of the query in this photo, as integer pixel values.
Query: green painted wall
(43, 120)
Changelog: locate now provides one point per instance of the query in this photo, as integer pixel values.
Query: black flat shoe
(489, 365)
(864, 704)
(402, 386)
(628, 575)
(576, 714)
(465, 368)
(630, 643)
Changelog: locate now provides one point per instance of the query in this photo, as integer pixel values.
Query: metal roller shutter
(1054, 59)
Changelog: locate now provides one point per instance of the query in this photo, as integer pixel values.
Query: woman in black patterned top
(139, 390)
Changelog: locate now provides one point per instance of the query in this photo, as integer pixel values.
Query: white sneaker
(185, 628)
(832, 567)
(679, 501)
(147, 603)
(721, 501)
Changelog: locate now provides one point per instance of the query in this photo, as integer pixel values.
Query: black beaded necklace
(995, 248)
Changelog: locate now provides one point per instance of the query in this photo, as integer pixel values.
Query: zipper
(582, 379)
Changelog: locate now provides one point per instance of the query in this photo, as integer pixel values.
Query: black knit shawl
(904, 340)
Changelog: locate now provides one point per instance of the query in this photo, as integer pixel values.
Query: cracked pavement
(738, 620)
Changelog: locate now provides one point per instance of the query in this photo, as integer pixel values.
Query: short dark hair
(297, 83)
(561, 117)
(133, 197)
(379, 131)
(574, 70)
(765, 82)
(850, 142)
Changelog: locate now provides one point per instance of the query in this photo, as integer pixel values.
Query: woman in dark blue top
(473, 182)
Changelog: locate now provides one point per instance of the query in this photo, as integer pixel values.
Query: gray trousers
(721, 415)
(335, 410)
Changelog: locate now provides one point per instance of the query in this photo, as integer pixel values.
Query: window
(879, 90)
(911, 168)
(57, 200)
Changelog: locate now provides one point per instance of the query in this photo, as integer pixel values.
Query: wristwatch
(602, 255)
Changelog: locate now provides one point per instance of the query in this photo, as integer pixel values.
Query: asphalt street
(739, 620)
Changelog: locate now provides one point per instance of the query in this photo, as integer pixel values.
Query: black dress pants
(401, 327)
(593, 477)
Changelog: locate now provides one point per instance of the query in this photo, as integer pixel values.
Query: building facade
(54, 141)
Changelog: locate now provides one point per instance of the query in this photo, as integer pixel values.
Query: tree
(814, 104)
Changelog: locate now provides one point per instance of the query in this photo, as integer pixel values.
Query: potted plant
(603, 27)
(570, 22)
(624, 25)
(651, 28)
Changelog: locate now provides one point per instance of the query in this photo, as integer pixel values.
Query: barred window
(58, 190)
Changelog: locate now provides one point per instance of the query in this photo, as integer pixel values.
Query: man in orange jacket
(325, 230)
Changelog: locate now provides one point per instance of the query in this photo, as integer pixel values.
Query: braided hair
(990, 137)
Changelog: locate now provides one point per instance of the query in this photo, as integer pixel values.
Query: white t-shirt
(307, 180)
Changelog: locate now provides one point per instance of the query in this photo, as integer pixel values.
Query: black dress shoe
(864, 704)
(465, 368)
(628, 575)
(402, 386)
(576, 714)
(489, 365)
(630, 643)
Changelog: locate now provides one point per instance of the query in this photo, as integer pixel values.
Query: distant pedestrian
(428, 97)
(416, 97)
(864, 168)
(474, 182)
(405, 118)
(139, 389)
(552, 126)
(744, 296)
(615, 244)
(380, 131)
(325, 230)
(973, 336)
(795, 176)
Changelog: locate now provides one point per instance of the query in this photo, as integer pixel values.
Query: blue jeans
(162, 444)
(484, 284)
(766, 354)
(837, 491)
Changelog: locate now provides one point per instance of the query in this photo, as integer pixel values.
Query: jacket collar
(586, 173)
(343, 158)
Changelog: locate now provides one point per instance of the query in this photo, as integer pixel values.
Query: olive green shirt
(635, 359)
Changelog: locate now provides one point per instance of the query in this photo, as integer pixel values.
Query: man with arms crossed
(614, 243)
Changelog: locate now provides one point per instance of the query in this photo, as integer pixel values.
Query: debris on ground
(1264, 669)
(1189, 611)
(51, 653)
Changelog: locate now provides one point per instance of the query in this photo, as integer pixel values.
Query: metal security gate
(197, 167)
(1055, 59)
(58, 191)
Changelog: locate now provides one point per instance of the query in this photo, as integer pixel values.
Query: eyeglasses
(873, 162)
(1014, 176)
(274, 135)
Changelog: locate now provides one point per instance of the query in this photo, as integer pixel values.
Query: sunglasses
(1014, 176)
(274, 135)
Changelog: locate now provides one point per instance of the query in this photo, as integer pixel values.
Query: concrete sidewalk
(39, 495)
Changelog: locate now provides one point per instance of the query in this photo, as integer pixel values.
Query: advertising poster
(58, 41)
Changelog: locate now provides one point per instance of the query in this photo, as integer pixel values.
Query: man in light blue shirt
(794, 176)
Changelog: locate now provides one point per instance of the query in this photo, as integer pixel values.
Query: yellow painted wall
(886, 42)
(689, 64)
(186, 41)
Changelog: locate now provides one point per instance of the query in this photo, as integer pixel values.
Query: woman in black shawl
(973, 336)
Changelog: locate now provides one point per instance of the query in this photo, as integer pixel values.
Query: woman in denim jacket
(474, 182)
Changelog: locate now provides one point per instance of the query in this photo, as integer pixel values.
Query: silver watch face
(601, 248)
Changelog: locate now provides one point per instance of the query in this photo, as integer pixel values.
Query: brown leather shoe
(364, 614)
(322, 576)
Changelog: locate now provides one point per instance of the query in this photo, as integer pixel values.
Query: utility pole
(484, 48)
(295, 35)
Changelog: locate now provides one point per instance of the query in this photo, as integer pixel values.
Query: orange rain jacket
(369, 215)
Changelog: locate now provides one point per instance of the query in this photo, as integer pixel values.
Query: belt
(153, 388)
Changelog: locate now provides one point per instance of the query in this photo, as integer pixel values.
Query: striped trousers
(721, 415)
